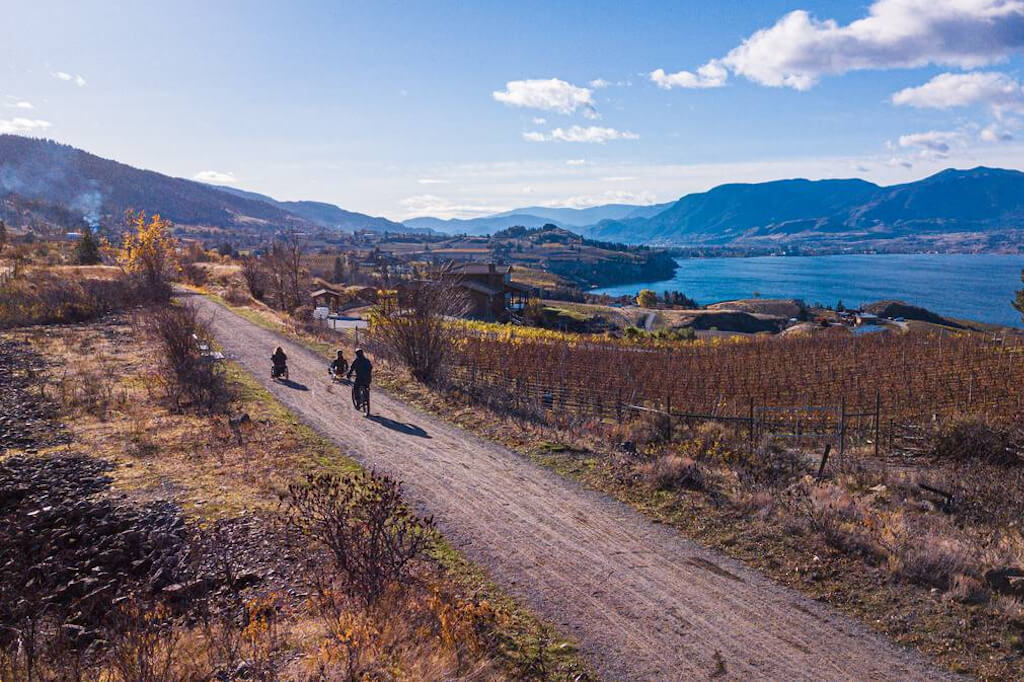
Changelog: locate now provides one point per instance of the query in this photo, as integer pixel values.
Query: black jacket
(363, 370)
(279, 358)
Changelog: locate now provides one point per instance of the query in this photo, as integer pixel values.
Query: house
(866, 318)
(490, 289)
(332, 299)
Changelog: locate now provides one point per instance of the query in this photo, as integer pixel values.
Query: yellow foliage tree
(647, 299)
(148, 249)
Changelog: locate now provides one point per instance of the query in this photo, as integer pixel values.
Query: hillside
(44, 182)
(324, 214)
(981, 200)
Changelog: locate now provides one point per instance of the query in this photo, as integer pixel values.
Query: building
(490, 289)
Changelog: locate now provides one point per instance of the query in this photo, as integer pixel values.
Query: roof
(477, 269)
(519, 286)
(482, 288)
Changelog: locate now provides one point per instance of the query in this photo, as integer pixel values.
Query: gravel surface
(642, 601)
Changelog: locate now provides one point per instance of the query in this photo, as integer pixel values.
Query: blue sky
(458, 109)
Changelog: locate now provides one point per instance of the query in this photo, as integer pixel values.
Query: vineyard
(876, 383)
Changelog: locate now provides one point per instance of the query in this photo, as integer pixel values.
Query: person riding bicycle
(362, 368)
(339, 365)
(280, 361)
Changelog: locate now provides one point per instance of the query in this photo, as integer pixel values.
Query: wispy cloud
(77, 79)
(548, 95)
(15, 103)
(575, 162)
(23, 126)
(933, 144)
(215, 177)
(439, 207)
(607, 197)
(589, 134)
(433, 181)
(599, 83)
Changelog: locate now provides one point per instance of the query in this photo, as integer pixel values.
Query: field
(879, 381)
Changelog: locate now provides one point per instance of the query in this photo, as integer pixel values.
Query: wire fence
(876, 392)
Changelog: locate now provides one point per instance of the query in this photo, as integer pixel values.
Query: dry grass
(452, 625)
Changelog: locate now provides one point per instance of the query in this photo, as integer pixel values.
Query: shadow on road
(401, 427)
(293, 384)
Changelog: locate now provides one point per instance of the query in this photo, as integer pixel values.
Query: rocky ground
(26, 418)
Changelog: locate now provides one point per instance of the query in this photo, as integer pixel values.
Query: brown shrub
(59, 297)
(236, 295)
(976, 439)
(672, 472)
(188, 375)
(371, 537)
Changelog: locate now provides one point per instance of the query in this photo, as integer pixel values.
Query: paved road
(642, 601)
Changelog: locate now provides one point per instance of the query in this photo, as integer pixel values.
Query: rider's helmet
(359, 352)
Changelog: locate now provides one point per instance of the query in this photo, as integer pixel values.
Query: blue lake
(977, 287)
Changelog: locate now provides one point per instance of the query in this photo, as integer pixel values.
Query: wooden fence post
(842, 425)
(878, 402)
(751, 424)
(668, 412)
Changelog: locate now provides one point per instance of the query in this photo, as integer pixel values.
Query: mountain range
(42, 180)
(537, 216)
(979, 201)
(47, 182)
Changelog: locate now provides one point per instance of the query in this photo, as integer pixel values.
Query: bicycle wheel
(366, 400)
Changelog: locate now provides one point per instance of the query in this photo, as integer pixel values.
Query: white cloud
(800, 49)
(538, 121)
(575, 162)
(548, 95)
(77, 79)
(22, 126)
(995, 133)
(619, 178)
(215, 177)
(599, 83)
(438, 207)
(933, 144)
(18, 104)
(433, 181)
(591, 134)
(711, 75)
(948, 90)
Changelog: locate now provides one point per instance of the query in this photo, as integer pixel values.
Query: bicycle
(361, 398)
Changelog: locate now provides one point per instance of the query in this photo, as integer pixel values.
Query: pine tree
(87, 249)
(339, 270)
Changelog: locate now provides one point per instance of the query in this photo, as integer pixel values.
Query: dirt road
(642, 601)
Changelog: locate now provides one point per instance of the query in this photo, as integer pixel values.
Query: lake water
(977, 287)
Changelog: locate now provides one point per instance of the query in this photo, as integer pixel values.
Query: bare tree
(254, 276)
(414, 325)
(284, 263)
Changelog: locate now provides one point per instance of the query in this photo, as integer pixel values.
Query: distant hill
(42, 180)
(581, 217)
(953, 201)
(536, 216)
(86, 185)
(324, 214)
(478, 226)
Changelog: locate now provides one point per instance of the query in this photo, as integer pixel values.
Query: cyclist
(280, 363)
(339, 366)
(363, 369)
